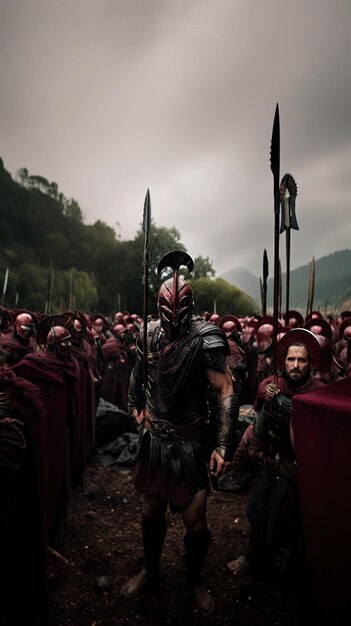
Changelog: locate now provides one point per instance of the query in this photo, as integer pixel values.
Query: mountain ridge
(332, 282)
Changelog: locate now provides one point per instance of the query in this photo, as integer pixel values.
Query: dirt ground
(102, 548)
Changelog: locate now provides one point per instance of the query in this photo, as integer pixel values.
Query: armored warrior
(273, 507)
(186, 356)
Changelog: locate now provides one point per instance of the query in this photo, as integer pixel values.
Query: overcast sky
(111, 97)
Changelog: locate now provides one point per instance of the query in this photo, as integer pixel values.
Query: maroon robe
(322, 431)
(17, 348)
(85, 358)
(114, 373)
(56, 378)
(22, 493)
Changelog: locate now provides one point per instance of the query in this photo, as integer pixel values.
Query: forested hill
(332, 283)
(57, 262)
(41, 230)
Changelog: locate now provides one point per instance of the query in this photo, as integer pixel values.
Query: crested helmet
(58, 338)
(175, 296)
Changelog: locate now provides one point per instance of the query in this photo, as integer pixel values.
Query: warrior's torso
(177, 383)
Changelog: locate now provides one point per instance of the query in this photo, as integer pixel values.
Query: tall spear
(280, 296)
(50, 288)
(263, 282)
(310, 294)
(70, 290)
(146, 229)
(4, 289)
(275, 167)
(288, 193)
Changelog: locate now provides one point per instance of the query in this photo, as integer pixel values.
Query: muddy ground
(102, 547)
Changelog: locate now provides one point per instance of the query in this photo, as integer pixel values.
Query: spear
(288, 193)
(50, 287)
(146, 229)
(310, 294)
(71, 290)
(264, 282)
(275, 167)
(280, 289)
(5, 285)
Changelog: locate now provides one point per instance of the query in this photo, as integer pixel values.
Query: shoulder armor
(215, 350)
(214, 341)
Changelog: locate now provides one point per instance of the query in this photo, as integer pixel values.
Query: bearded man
(273, 510)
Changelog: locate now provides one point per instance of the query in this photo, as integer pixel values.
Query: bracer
(136, 397)
(227, 411)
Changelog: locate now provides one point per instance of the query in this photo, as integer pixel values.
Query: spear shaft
(310, 295)
(146, 229)
(4, 289)
(287, 279)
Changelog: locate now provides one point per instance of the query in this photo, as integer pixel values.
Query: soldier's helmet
(119, 329)
(230, 324)
(293, 319)
(325, 366)
(175, 296)
(99, 324)
(319, 326)
(25, 326)
(58, 338)
(264, 328)
(303, 337)
(215, 319)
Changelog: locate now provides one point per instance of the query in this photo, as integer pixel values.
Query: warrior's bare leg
(197, 540)
(153, 525)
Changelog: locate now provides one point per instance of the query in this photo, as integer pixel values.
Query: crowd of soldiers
(56, 368)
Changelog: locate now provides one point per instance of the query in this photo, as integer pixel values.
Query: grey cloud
(109, 98)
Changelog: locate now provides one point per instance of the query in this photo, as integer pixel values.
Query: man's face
(297, 363)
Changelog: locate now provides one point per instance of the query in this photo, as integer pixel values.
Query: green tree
(30, 282)
(203, 268)
(39, 182)
(56, 247)
(73, 210)
(81, 291)
(229, 299)
(102, 232)
(53, 190)
(23, 176)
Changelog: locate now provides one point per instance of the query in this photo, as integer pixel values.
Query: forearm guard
(227, 411)
(136, 395)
